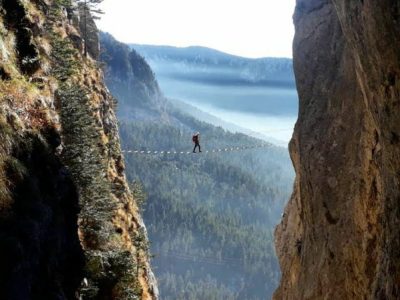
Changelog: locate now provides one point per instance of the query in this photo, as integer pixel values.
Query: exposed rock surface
(340, 235)
(69, 226)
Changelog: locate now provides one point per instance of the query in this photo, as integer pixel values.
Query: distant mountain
(210, 217)
(214, 67)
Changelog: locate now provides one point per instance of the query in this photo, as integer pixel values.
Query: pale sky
(250, 28)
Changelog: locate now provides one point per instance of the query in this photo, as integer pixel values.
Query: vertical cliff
(340, 235)
(69, 226)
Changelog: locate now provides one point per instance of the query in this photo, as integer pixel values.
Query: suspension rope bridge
(219, 150)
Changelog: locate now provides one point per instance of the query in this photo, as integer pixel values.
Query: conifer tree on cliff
(88, 9)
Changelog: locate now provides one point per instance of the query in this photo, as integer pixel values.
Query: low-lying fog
(257, 94)
(271, 111)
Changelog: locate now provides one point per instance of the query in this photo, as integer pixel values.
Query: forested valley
(210, 216)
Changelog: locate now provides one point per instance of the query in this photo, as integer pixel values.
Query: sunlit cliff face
(339, 236)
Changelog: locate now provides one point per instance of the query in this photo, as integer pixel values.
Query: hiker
(196, 141)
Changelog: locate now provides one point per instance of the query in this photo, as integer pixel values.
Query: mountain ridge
(204, 60)
(204, 49)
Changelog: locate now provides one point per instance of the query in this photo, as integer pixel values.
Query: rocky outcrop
(69, 225)
(340, 234)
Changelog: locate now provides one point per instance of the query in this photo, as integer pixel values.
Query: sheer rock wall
(340, 234)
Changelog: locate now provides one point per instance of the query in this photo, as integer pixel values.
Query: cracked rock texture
(340, 234)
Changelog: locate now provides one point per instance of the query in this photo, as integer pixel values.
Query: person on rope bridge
(196, 141)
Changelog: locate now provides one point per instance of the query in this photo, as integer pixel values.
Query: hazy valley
(256, 94)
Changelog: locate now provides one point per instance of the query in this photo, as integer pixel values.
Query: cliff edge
(340, 234)
(69, 225)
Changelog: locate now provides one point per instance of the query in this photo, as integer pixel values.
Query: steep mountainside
(69, 225)
(129, 77)
(340, 236)
(210, 216)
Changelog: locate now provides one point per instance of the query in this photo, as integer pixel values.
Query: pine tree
(90, 8)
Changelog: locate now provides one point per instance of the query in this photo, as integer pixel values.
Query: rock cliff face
(69, 226)
(340, 234)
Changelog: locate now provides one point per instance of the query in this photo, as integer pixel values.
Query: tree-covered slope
(210, 216)
(69, 226)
